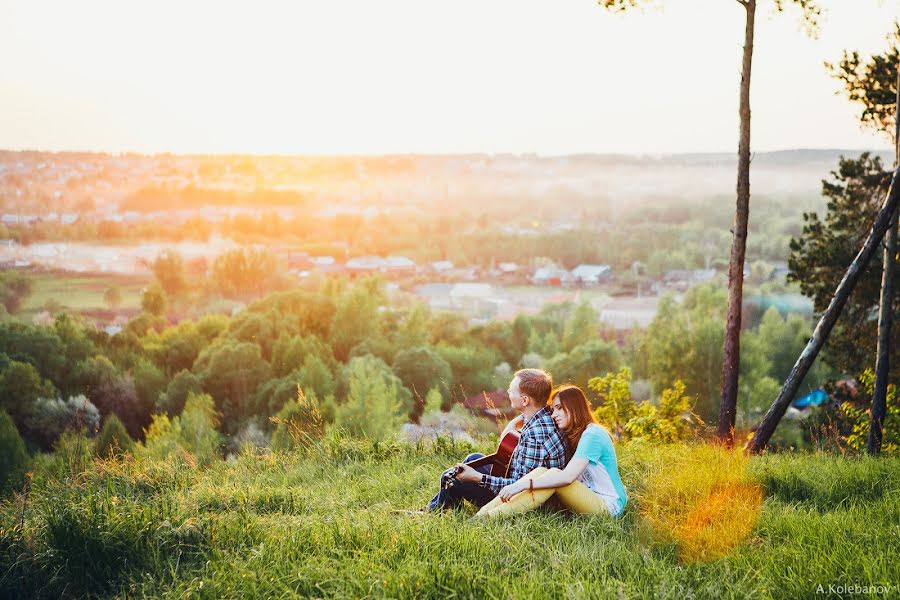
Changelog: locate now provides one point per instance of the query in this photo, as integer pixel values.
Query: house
(591, 274)
(399, 264)
(490, 404)
(441, 266)
(436, 294)
(551, 276)
(682, 279)
(365, 264)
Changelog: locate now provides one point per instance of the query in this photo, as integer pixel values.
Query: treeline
(685, 235)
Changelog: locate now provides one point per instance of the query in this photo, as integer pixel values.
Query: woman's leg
(576, 496)
(581, 499)
(521, 502)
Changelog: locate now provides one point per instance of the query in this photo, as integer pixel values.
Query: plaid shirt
(540, 445)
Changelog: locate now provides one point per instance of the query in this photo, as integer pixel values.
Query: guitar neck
(484, 460)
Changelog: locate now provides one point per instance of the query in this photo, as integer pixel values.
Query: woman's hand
(467, 473)
(512, 489)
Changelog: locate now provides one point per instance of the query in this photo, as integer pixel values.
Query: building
(590, 275)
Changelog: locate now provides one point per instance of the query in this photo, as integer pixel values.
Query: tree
(588, 360)
(113, 439)
(168, 267)
(20, 387)
(244, 272)
(172, 400)
(14, 459)
(154, 300)
(49, 418)
(684, 342)
(233, 372)
(731, 355)
(829, 317)
(422, 369)
(581, 327)
(820, 256)
(870, 84)
(373, 407)
(14, 289)
(356, 318)
(112, 297)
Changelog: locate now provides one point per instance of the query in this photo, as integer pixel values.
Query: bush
(298, 423)
(193, 431)
(671, 421)
(172, 400)
(49, 418)
(113, 439)
(373, 408)
(14, 460)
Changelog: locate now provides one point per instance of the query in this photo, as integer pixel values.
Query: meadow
(81, 294)
(325, 521)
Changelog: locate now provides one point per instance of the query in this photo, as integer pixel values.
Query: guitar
(499, 460)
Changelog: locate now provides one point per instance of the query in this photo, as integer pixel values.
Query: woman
(589, 484)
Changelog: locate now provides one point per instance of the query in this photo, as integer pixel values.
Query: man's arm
(531, 457)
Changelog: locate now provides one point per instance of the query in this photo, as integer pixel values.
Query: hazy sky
(363, 76)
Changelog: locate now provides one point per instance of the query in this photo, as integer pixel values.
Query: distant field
(81, 293)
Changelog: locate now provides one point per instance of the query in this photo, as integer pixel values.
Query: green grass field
(320, 523)
(80, 293)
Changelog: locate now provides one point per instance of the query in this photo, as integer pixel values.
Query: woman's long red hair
(578, 409)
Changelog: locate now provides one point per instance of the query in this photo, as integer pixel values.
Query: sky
(420, 76)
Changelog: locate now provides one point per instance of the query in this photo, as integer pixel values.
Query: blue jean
(464, 490)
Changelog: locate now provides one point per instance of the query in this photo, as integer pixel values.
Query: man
(540, 445)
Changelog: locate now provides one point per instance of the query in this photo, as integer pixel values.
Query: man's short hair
(536, 384)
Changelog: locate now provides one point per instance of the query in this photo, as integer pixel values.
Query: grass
(319, 523)
(80, 293)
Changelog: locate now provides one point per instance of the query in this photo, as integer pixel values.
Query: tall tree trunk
(732, 347)
(885, 312)
(829, 318)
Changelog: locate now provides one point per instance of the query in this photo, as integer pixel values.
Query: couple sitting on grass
(562, 452)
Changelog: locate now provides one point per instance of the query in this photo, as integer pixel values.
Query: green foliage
(49, 418)
(14, 460)
(232, 373)
(872, 83)
(422, 369)
(20, 387)
(584, 362)
(39, 346)
(193, 431)
(149, 383)
(582, 327)
(820, 257)
(14, 289)
(669, 421)
(356, 317)
(373, 407)
(685, 342)
(471, 368)
(859, 415)
(290, 352)
(298, 423)
(113, 439)
(154, 300)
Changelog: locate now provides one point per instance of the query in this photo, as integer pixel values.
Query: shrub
(49, 418)
(671, 421)
(113, 439)
(372, 408)
(859, 418)
(298, 423)
(14, 460)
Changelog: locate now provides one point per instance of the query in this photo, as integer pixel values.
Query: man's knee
(473, 456)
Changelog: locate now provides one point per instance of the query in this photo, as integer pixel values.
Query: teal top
(602, 473)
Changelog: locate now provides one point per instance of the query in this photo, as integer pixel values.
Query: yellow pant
(575, 496)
